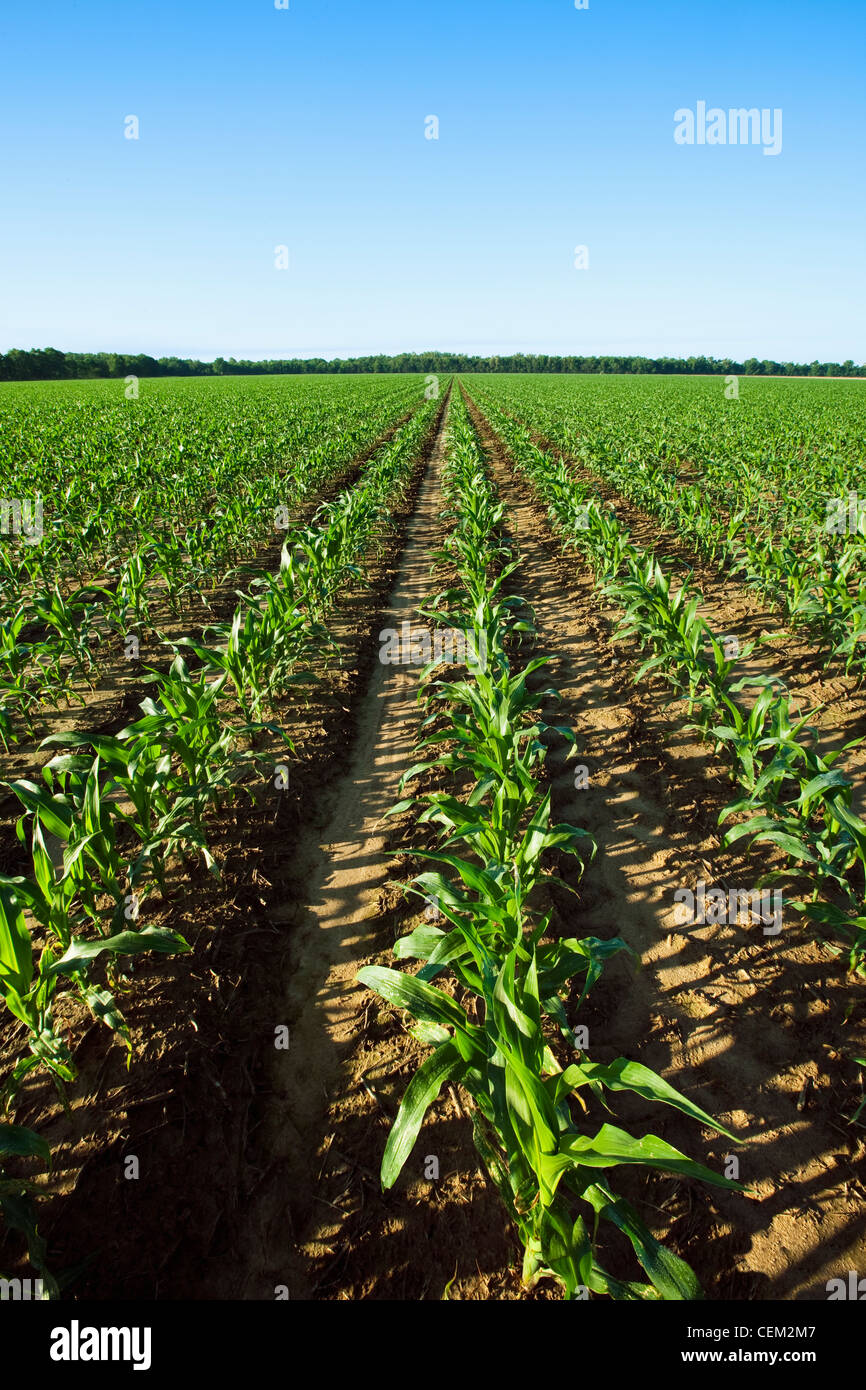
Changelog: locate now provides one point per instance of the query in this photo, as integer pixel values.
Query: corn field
(460, 931)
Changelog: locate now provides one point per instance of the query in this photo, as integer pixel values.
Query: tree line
(49, 364)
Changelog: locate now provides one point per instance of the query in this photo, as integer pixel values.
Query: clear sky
(305, 128)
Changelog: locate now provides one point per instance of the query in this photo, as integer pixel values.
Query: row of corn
(489, 998)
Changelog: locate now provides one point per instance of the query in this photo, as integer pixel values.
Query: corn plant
(17, 688)
(73, 619)
(28, 993)
(128, 605)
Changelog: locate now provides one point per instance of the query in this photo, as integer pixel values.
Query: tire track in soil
(738, 1023)
(320, 1224)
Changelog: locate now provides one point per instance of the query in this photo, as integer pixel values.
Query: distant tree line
(49, 364)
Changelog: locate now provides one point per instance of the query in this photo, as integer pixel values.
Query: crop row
(488, 997)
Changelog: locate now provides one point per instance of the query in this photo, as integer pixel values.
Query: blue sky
(305, 128)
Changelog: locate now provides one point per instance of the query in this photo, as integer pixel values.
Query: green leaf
(421, 1000)
(444, 1066)
(612, 1146)
(430, 1034)
(822, 783)
(419, 944)
(15, 1139)
(673, 1278)
(125, 943)
(55, 815)
(623, 1075)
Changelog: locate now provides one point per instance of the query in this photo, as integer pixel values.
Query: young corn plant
(19, 693)
(72, 620)
(165, 771)
(78, 814)
(128, 605)
(28, 991)
(62, 900)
